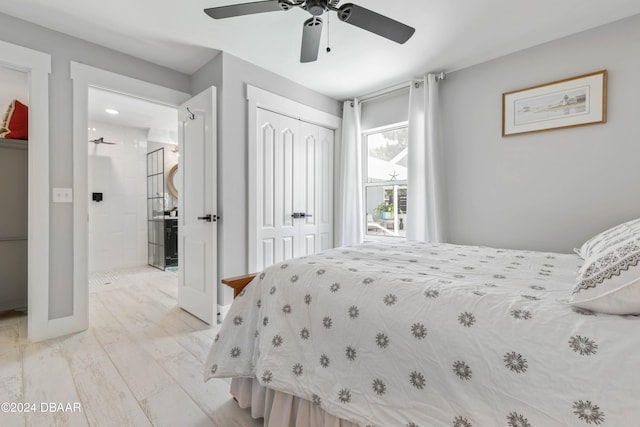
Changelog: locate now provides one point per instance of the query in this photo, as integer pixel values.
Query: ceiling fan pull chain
(328, 44)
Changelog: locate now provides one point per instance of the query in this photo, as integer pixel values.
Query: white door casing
(197, 200)
(294, 188)
(38, 66)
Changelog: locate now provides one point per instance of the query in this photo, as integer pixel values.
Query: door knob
(209, 218)
(300, 215)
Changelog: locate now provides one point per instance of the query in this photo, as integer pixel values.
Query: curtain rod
(384, 92)
(396, 88)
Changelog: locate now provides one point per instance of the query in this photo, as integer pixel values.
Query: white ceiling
(160, 120)
(450, 34)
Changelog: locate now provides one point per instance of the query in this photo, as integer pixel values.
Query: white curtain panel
(351, 212)
(426, 218)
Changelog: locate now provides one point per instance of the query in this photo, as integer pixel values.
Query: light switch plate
(62, 195)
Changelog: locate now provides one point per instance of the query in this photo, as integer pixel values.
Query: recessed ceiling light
(112, 111)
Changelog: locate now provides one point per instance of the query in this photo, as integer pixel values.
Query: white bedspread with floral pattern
(434, 335)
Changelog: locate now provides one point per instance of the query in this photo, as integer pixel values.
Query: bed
(420, 334)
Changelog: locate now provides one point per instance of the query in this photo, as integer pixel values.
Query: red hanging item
(15, 123)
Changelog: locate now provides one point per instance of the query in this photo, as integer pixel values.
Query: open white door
(197, 242)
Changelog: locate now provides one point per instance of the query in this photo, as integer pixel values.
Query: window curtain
(351, 212)
(426, 215)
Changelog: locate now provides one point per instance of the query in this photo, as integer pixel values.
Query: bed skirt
(281, 409)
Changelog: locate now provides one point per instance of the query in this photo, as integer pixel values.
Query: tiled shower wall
(118, 224)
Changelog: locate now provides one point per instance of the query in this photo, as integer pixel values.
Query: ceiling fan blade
(243, 9)
(311, 32)
(374, 22)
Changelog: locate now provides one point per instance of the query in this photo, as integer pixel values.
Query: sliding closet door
(294, 188)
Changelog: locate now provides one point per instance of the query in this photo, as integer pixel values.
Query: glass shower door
(156, 206)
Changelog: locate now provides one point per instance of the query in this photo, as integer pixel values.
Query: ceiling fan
(101, 141)
(312, 28)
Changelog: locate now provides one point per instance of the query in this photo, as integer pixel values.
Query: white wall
(13, 85)
(64, 49)
(231, 75)
(548, 190)
(118, 224)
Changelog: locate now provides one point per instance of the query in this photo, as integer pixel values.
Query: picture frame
(576, 101)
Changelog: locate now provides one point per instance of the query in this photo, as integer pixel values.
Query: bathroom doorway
(132, 144)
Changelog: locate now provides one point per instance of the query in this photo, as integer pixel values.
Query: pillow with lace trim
(609, 279)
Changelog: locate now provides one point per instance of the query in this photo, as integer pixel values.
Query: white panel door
(294, 188)
(315, 199)
(277, 233)
(324, 195)
(197, 242)
(287, 192)
(308, 188)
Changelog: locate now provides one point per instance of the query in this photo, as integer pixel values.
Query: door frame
(37, 65)
(84, 77)
(260, 98)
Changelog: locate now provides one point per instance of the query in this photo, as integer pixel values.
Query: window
(385, 180)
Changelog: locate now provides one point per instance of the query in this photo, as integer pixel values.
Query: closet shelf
(19, 144)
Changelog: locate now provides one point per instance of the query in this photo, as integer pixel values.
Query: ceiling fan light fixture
(316, 7)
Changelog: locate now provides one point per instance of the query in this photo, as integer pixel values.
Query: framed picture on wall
(576, 101)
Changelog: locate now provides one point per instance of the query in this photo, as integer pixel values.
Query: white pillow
(609, 279)
(601, 240)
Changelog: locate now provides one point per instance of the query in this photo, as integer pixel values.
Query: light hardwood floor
(139, 364)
